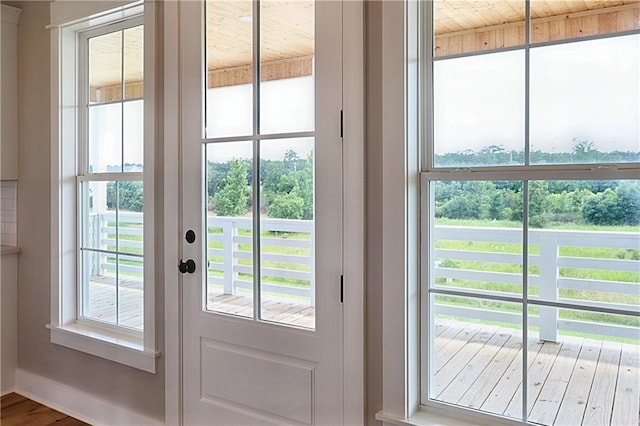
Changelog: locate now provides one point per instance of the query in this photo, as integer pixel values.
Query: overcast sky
(585, 90)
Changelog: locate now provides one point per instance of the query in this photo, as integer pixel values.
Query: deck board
(575, 401)
(548, 402)
(470, 372)
(478, 393)
(538, 371)
(627, 402)
(600, 403)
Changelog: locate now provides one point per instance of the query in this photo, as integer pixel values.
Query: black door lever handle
(187, 267)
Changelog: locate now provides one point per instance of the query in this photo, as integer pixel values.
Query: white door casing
(246, 371)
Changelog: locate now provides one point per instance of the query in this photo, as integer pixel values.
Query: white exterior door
(261, 193)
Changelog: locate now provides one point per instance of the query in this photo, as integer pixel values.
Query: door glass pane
(585, 102)
(229, 68)
(286, 66)
(105, 68)
(134, 62)
(559, 20)
(465, 27)
(479, 110)
(287, 290)
(229, 244)
(477, 236)
(476, 347)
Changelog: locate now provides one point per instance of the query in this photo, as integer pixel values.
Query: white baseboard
(75, 403)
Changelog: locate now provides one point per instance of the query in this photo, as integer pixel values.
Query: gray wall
(139, 391)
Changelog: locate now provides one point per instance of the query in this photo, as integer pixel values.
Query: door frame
(168, 169)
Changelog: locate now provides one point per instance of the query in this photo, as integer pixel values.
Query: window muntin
(110, 179)
(592, 265)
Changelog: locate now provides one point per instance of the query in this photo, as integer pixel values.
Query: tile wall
(9, 213)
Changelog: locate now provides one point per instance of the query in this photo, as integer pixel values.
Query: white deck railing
(287, 253)
(548, 281)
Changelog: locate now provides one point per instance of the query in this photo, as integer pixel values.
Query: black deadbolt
(190, 236)
(188, 266)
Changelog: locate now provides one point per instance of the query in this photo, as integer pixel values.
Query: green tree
(129, 196)
(603, 209)
(233, 194)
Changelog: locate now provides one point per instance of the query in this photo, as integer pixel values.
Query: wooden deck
(102, 302)
(573, 382)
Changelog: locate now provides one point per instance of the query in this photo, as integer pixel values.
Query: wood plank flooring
(16, 410)
(573, 382)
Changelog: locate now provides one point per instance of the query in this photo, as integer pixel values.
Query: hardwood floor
(16, 410)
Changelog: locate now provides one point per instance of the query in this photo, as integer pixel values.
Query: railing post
(228, 231)
(548, 285)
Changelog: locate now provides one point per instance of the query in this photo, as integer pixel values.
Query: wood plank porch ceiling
(287, 33)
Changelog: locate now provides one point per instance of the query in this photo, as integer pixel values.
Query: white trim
(354, 216)
(76, 403)
(86, 14)
(10, 14)
(170, 158)
(135, 350)
(394, 213)
(117, 348)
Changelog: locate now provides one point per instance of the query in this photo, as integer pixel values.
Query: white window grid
(422, 107)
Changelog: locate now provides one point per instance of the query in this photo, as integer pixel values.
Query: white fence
(549, 280)
(287, 253)
(278, 264)
(287, 267)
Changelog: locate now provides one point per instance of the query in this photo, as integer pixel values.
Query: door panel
(262, 316)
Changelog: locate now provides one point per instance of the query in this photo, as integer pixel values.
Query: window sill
(122, 349)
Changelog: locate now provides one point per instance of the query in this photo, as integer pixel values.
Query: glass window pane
(99, 286)
(584, 241)
(589, 374)
(133, 145)
(134, 62)
(286, 66)
(105, 67)
(472, 26)
(479, 110)
(229, 62)
(105, 138)
(129, 219)
(559, 20)
(477, 236)
(585, 102)
(98, 210)
(476, 353)
(130, 292)
(229, 227)
(287, 281)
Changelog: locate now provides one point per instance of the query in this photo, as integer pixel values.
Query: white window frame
(406, 171)
(125, 346)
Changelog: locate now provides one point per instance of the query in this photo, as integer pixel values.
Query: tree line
(286, 187)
